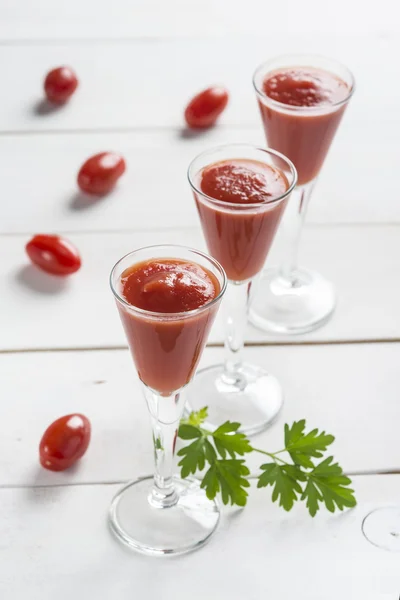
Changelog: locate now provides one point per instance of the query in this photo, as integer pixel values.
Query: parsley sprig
(221, 452)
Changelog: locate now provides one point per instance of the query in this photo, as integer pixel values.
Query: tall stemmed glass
(293, 299)
(164, 514)
(239, 236)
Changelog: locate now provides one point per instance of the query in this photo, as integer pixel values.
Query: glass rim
(174, 315)
(302, 109)
(239, 205)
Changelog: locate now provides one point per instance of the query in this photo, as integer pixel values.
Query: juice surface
(305, 86)
(243, 181)
(166, 348)
(240, 233)
(168, 285)
(303, 136)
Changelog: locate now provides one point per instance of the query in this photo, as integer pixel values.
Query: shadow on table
(43, 107)
(44, 485)
(32, 278)
(231, 514)
(189, 134)
(80, 201)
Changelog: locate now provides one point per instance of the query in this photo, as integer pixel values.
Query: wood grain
(138, 83)
(348, 390)
(55, 541)
(154, 192)
(138, 64)
(40, 311)
(129, 18)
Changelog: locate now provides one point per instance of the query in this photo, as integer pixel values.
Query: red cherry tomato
(60, 84)
(99, 174)
(64, 442)
(204, 109)
(53, 254)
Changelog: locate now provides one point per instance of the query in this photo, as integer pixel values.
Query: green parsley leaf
(302, 447)
(229, 478)
(285, 481)
(227, 440)
(324, 484)
(189, 432)
(197, 453)
(327, 484)
(197, 418)
(193, 457)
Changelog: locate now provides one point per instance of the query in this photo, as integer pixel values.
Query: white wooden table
(138, 64)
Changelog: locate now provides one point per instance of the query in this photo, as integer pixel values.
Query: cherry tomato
(99, 174)
(53, 254)
(60, 84)
(64, 442)
(204, 109)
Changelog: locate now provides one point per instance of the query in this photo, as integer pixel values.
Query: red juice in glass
(166, 351)
(167, 298)
(241, 193)
(302, 100)
(240, 238)
(304, 137)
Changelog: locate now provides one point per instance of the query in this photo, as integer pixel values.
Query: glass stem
(165, 413)
(236, 306)
(294, 217)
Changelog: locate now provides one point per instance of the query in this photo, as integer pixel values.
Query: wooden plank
(55, 542)
(102, 385)
(91, 19)
(154, 192)
(134, 84)
(40, 311)
(350, 391)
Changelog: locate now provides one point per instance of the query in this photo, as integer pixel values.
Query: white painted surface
(145, 84)
(54, 540)
(38, 175)
(40, 311)
(45, 19)
(55, 543)
(350, 391)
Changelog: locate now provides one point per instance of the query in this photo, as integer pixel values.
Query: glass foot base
(382, 528)
(254, 398)
(301, 305)
(158, 531)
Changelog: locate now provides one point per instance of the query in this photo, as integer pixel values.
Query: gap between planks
(259, 344)
(6, 486)
(347, 224)
(48, 41)
(125, 129)
(172, 38)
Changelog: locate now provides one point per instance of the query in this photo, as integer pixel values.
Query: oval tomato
(204, 109)
(64, 442)
(99, 174)
(60, 84)
(53, 254)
